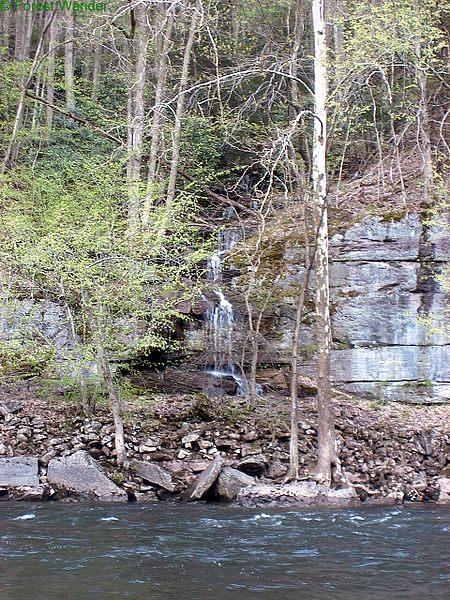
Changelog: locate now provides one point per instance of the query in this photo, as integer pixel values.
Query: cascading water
(220, 317)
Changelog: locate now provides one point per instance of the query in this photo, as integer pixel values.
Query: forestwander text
(63, 5)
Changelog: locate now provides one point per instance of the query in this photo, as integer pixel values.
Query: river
(216, 552)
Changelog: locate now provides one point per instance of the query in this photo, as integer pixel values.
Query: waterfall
(220, 317)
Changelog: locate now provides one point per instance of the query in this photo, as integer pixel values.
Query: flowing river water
(208, 552)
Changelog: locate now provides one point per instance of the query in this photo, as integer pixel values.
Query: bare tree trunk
(293, 442)
(137, 66)
(96, 68)
(28, 28)
(19, 33)
(158, 114)
(325, 431)
(52, 43)
(171, 187)
(425, 142)
(69, 60)
(13, 147)
(119, 437)
(423, 122)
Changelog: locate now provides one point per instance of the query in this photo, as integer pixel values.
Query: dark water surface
(111, 552)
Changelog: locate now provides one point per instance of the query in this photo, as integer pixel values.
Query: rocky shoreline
(193, 448)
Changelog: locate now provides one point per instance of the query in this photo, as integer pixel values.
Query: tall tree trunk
(114, 401)
(69, 60)
(19, 33)
(293, 442)
(325, 431)
(159, 111)
(423, 120)
(97, 324)
(28, 29)
(96, 68)
(52, 43)
(176, 138)
(23, 31)
(136, 82)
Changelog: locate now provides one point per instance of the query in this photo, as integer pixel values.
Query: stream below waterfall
(204, 552)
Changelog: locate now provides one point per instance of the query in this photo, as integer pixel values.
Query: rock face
(204, 481)
(230, 482)
(19, 478)
(384, 293)
(79, 474)
(306, 493)
(24, 317)
(384, 284)
(156, 475)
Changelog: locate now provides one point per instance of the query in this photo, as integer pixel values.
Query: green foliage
(64, 233)
(23, 360)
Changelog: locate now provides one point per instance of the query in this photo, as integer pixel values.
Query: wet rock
(204, 481)
(80, 475)
(444, 490)
(146, 497)
(155, 474)
(230, 482)
(305, 493)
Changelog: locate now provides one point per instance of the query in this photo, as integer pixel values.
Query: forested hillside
(177, 178)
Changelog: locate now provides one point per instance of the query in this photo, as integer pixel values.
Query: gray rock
(305, 493)
(230, 482)
(444, 490)
(24, 317)
(81, 475)
(189, 438)
(374, 240)
(204, 481)
(372, 276)
(252, 465)
(387, 318)
(414, 392)
(276, 469)
(154, 473)
(19, 471)
(392, 363)
(9, 406)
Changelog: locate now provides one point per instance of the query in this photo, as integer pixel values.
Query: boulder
(230, 482)
(444, 490)
(204, 481)
(80, 475)
(304, 493)
(253, 465)
(155, 474)
(19, 477)
(276, 470)
(19, 471)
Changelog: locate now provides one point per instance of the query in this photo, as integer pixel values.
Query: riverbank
(390, 453)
